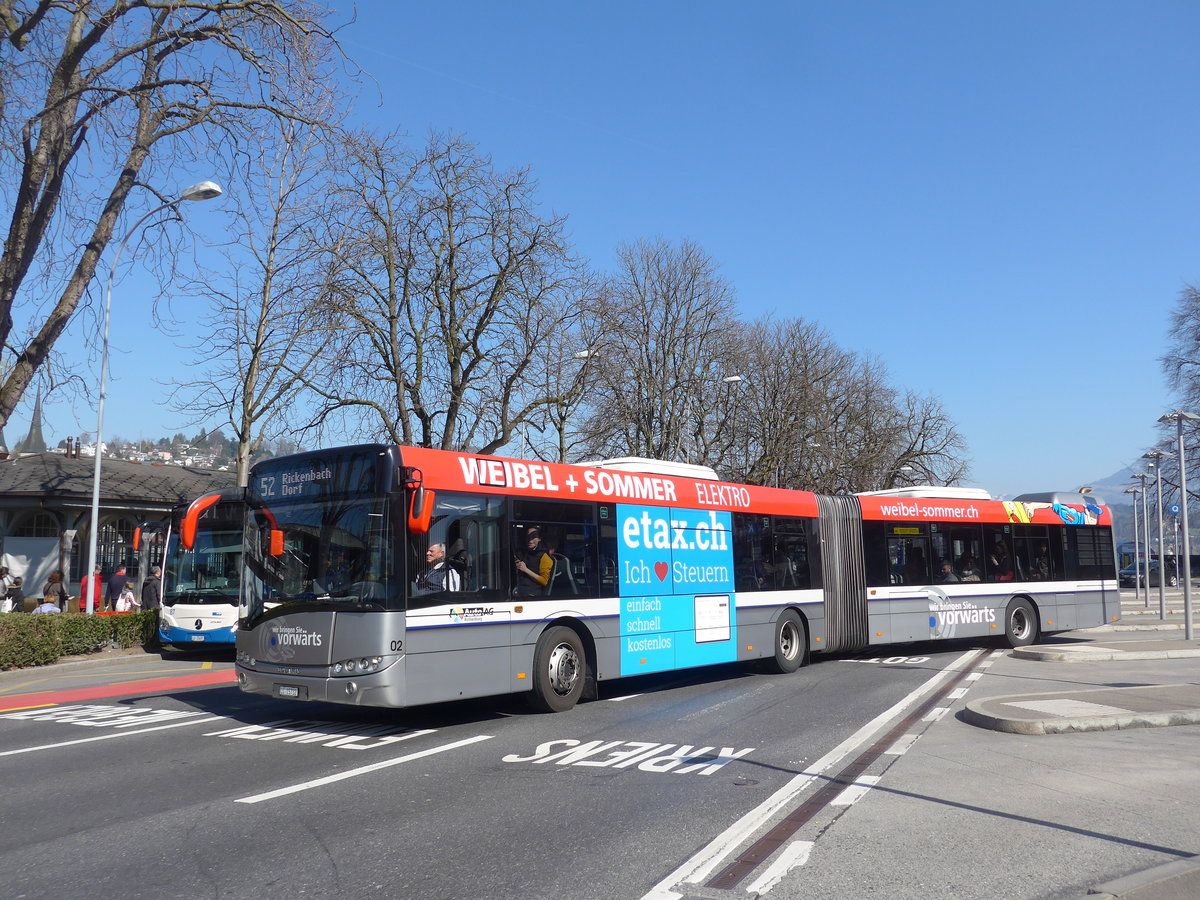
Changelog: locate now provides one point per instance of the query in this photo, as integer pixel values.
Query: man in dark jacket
(152, 589)
(116, 584)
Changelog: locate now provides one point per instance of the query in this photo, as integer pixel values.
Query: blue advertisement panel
(676, 572)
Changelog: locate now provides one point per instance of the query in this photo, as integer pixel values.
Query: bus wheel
(791, 644)
(1020, 623)
(559, 670)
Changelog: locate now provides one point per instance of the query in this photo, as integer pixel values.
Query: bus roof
(654, 467)
(930, 490)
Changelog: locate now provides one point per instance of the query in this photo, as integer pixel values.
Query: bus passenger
(534, 565)
(439, 576)
(970, 570)
(1000, 563)
(947, 575)
(1040, 568)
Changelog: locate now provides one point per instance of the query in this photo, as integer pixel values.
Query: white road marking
(902, 744)
(974, 676)
(934, 714)
(626, 697)
(854, 792)
(362, 770)
(695, 869)
(793, 855)
(110, 736)
(957, 694)
(1065, 707)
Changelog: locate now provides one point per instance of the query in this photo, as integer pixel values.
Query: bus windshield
(208, 573)
(333, 553)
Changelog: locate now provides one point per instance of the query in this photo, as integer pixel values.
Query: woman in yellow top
(534, 566)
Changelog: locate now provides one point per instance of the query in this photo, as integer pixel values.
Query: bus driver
(440, 576)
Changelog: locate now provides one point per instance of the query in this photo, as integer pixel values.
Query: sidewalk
(1111, 708)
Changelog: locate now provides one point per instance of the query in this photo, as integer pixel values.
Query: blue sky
(997, 200)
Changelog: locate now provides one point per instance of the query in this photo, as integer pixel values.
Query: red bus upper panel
(935, 509)
(451, 471)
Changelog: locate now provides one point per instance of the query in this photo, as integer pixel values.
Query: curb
(1186, 870)
(1021, 720)
(1101, 654)
(976, 716)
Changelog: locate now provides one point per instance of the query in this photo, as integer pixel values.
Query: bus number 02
(397, 646)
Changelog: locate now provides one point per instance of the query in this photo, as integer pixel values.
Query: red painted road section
(121, 689)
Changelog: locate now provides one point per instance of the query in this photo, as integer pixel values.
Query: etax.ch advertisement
(676, 571)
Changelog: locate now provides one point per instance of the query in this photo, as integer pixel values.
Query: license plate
(197, 637)
(288, 690)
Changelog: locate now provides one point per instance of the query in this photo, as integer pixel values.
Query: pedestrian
(152, 589)
(5, 580)
(48, 606)
(16, 595)
(54, 589)
(115, 585)
(90, 590)
(126, 600)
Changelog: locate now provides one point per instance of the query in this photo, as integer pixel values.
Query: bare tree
(268, 329)
(1181, 367)
(456, 286)
(1181, 361)
(812, 415)
(659, 386)
(102, 99)
(787, 405)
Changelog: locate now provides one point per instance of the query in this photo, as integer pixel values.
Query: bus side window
(789, 553)
(568, 532)
(750, 565)
(998, 561)
(875, 552)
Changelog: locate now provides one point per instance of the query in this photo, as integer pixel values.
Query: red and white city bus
(394, 576)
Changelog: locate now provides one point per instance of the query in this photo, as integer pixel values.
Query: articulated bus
(395, 576)
(200, 552)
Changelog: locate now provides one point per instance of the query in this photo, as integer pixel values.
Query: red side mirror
(187, 529)
(420, 511)
(276, 542)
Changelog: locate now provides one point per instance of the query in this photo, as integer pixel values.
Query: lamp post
(1137, 565)
(731, 382)
(1179, 417)
(205, 190)
(1158, 456)
(1142, 477)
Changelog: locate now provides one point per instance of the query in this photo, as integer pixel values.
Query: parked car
(1129, 575)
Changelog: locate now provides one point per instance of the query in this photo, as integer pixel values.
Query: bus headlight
(352, 666)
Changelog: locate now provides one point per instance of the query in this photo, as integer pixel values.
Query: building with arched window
(46, 503)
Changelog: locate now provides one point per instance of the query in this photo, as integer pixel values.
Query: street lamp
(205, 190)
(1137, 564)
(1158, 456)
(1179, 417)
(1142, 477)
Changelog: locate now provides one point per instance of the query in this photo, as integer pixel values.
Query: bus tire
(1020, 623)
(559, 670)
(791, 644)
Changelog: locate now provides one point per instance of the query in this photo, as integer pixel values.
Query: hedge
(29, 640)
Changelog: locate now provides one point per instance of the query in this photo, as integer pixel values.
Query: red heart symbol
(660, 569)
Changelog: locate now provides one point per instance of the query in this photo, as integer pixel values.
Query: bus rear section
(951, 563)
(201, 571)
